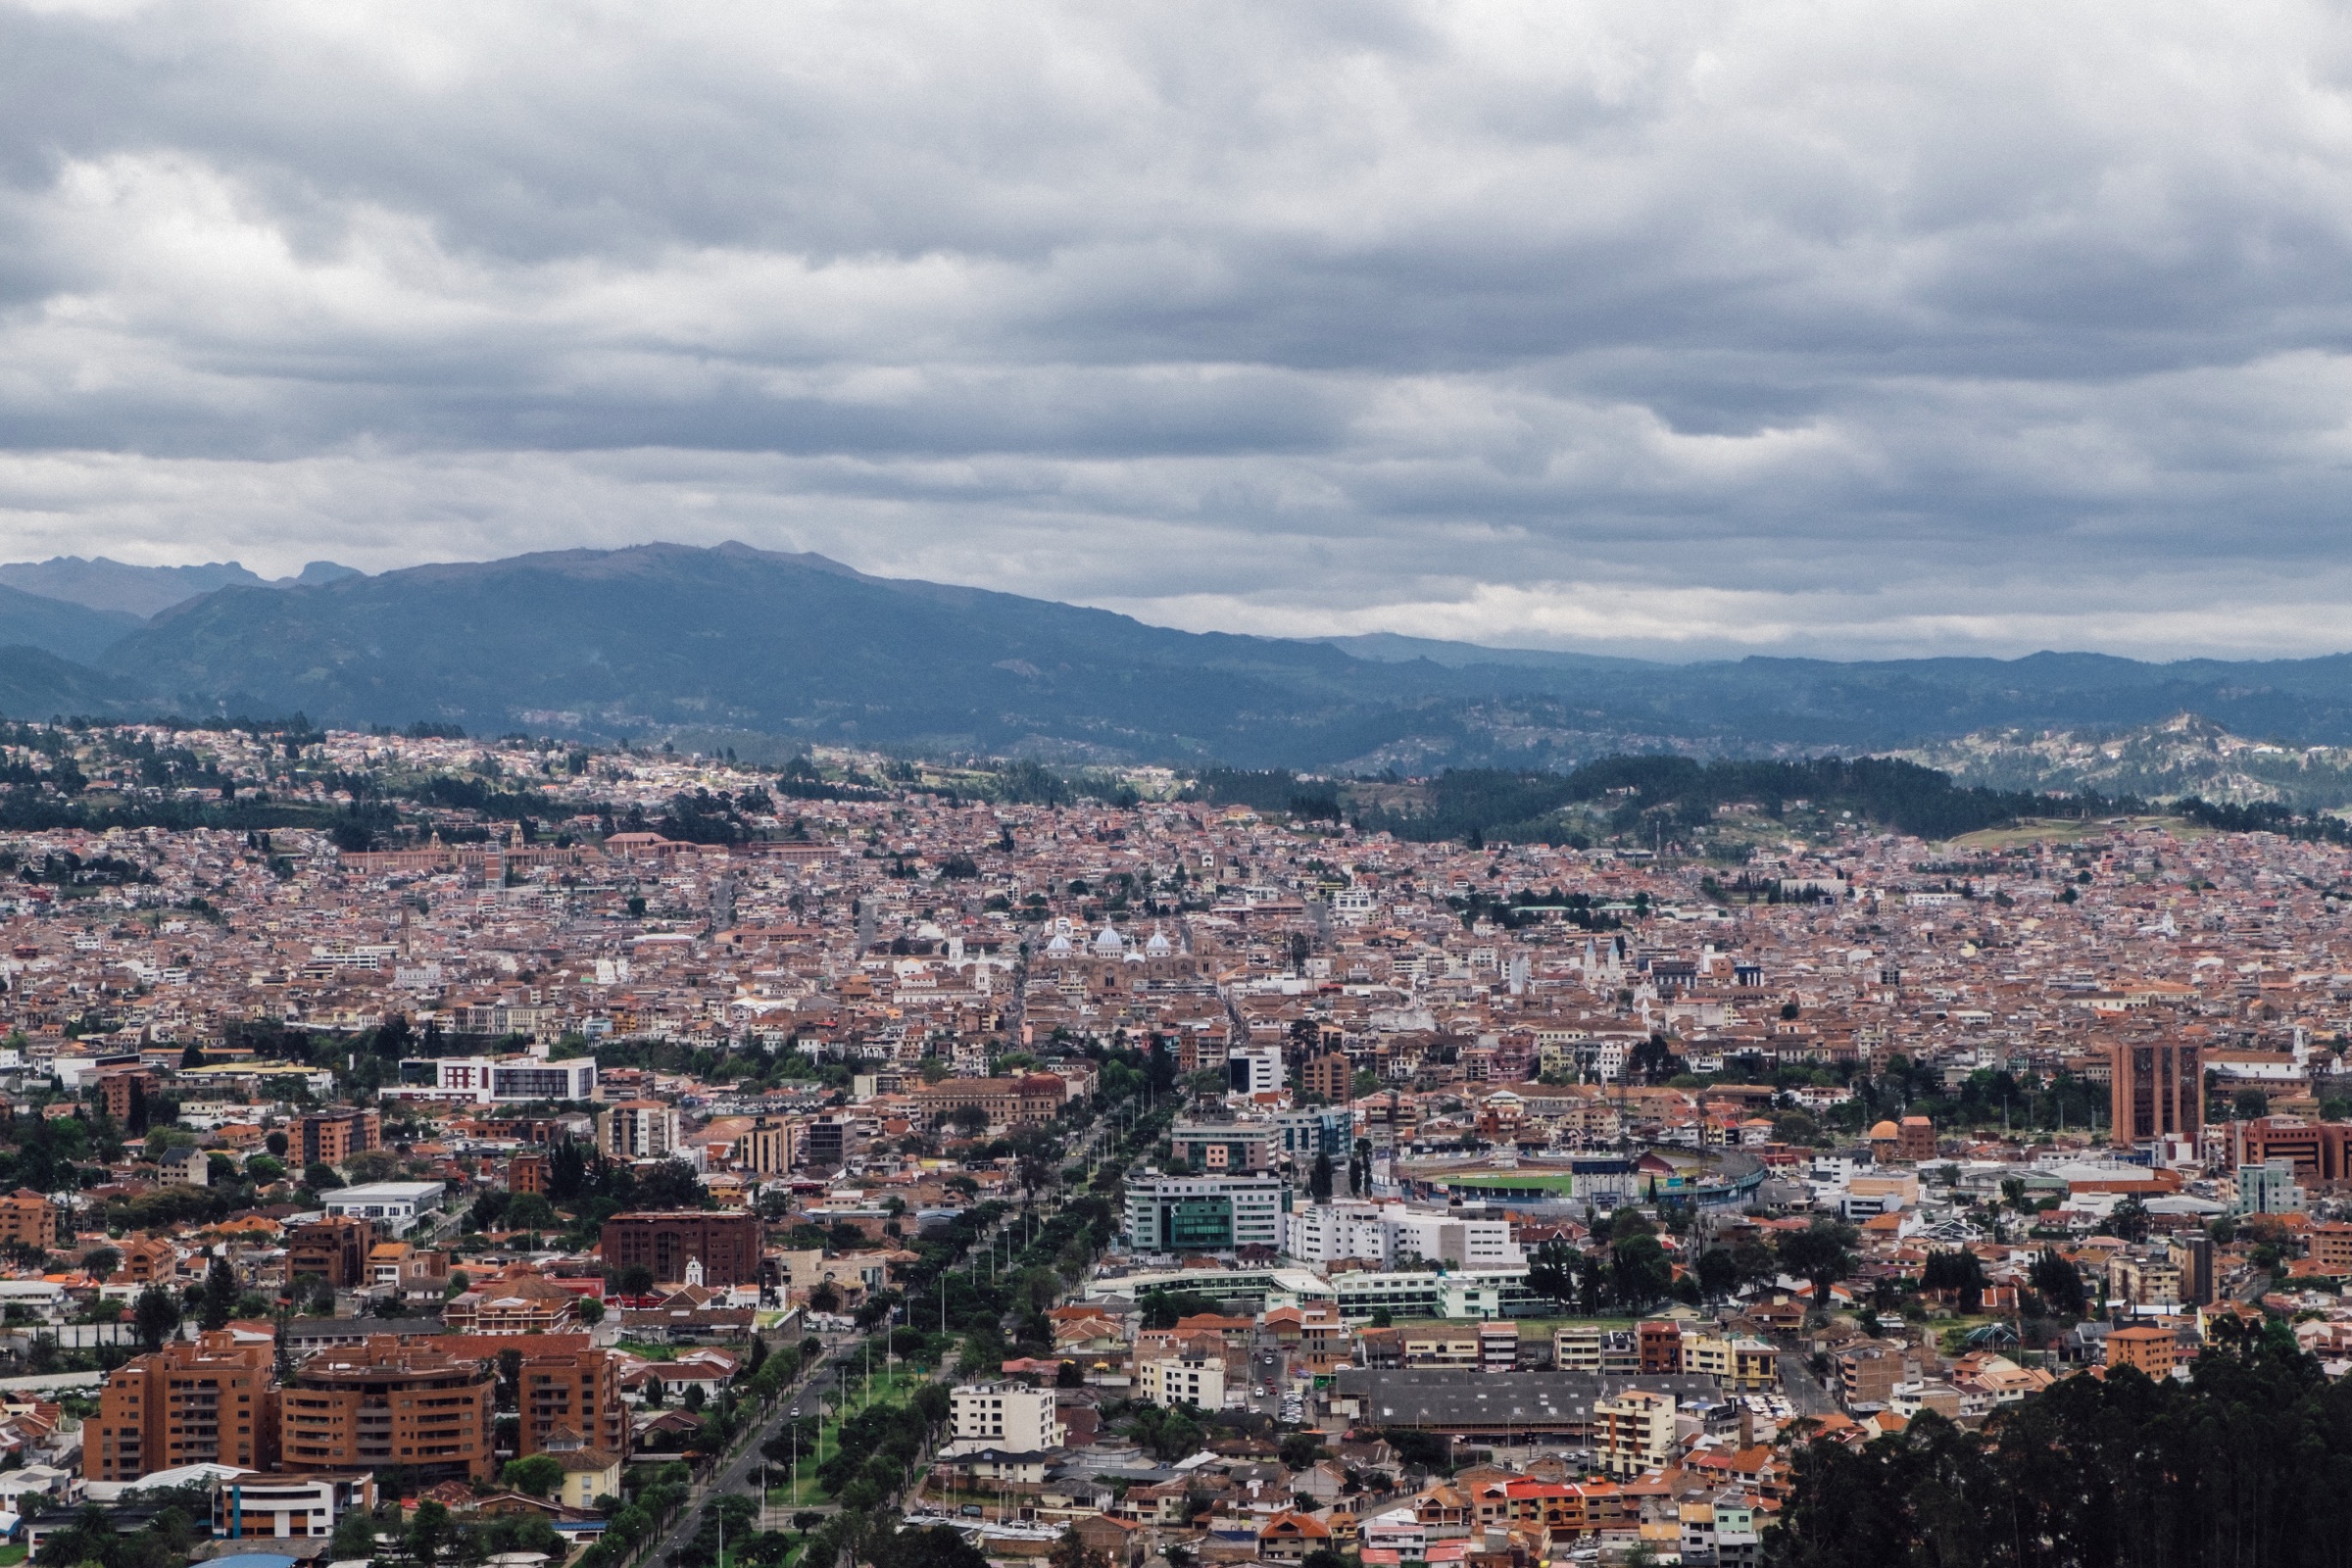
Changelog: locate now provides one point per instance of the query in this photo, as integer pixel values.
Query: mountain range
(770, 652)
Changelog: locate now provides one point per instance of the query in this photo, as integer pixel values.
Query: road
(732, 1476)
(736, 1472)
(1804, 1391)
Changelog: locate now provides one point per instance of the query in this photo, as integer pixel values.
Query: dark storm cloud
(1700, 326)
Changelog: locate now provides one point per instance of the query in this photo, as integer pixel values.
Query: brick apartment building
(387, 1402)
(331, 1137)
(27, 1219)
(334, 1249)
(122, 1093)
(208, 1402)
(727, 1244)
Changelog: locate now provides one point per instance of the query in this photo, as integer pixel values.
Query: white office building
(499, 1080)
(395, 1207)
(1325, 1233)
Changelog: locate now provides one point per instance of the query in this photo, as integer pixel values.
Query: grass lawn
(2063, 830)
(895, 1385)
(1547, 1181)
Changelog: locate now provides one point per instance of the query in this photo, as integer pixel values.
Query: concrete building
(393, 1208)
(501, 1080)
(281, 1507)
(2269, 1189)
(638, 1129)
(1633, 1432)
(1177, 1380)
(1011, 1416)
(1205, 1213)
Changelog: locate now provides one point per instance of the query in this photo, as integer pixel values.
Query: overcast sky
(1836, 328)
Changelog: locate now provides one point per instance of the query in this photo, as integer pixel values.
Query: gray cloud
(1674, 328)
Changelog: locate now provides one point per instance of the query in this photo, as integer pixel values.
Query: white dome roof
(1159, 946)
(1060, 945)
(1108, 940)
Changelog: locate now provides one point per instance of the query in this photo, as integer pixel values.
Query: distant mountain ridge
(143, 591)
(731, 644)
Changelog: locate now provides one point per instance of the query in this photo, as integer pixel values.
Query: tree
(101, 1261)
(1653, 1061)
(1318, 1183)
(321, 1178)
(671, 1183)
(221, 1292)
(1072, 1552)
(528, 1211)
(2129, 1219)
(1822, 1253)
(539, 1475)
(637, 1278)
(1552, 1270)
(1301, 1449)
(1640, 1270)
(1718, 1272)
(1959, 1272)
(591, 1310)
(972, 1121)
(157, 1314)
(354, 1536)
(2058, 1282)
(428, 1529)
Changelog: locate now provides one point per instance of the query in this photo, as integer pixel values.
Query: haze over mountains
(769, 652)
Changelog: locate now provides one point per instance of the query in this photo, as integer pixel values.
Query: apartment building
(28, 1220)
(1590, 1347)
(207, 1403)
(2152, 1350)
(331, 1137)
(577, 1392)
(1195, 1380)
(638, 1129)
(764, 1147)
(1633, 1432)
(727, 1244)
(384, 1403)
(1005, 1415)
(333, 1249)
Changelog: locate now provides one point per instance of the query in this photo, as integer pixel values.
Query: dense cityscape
(619, 1155)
